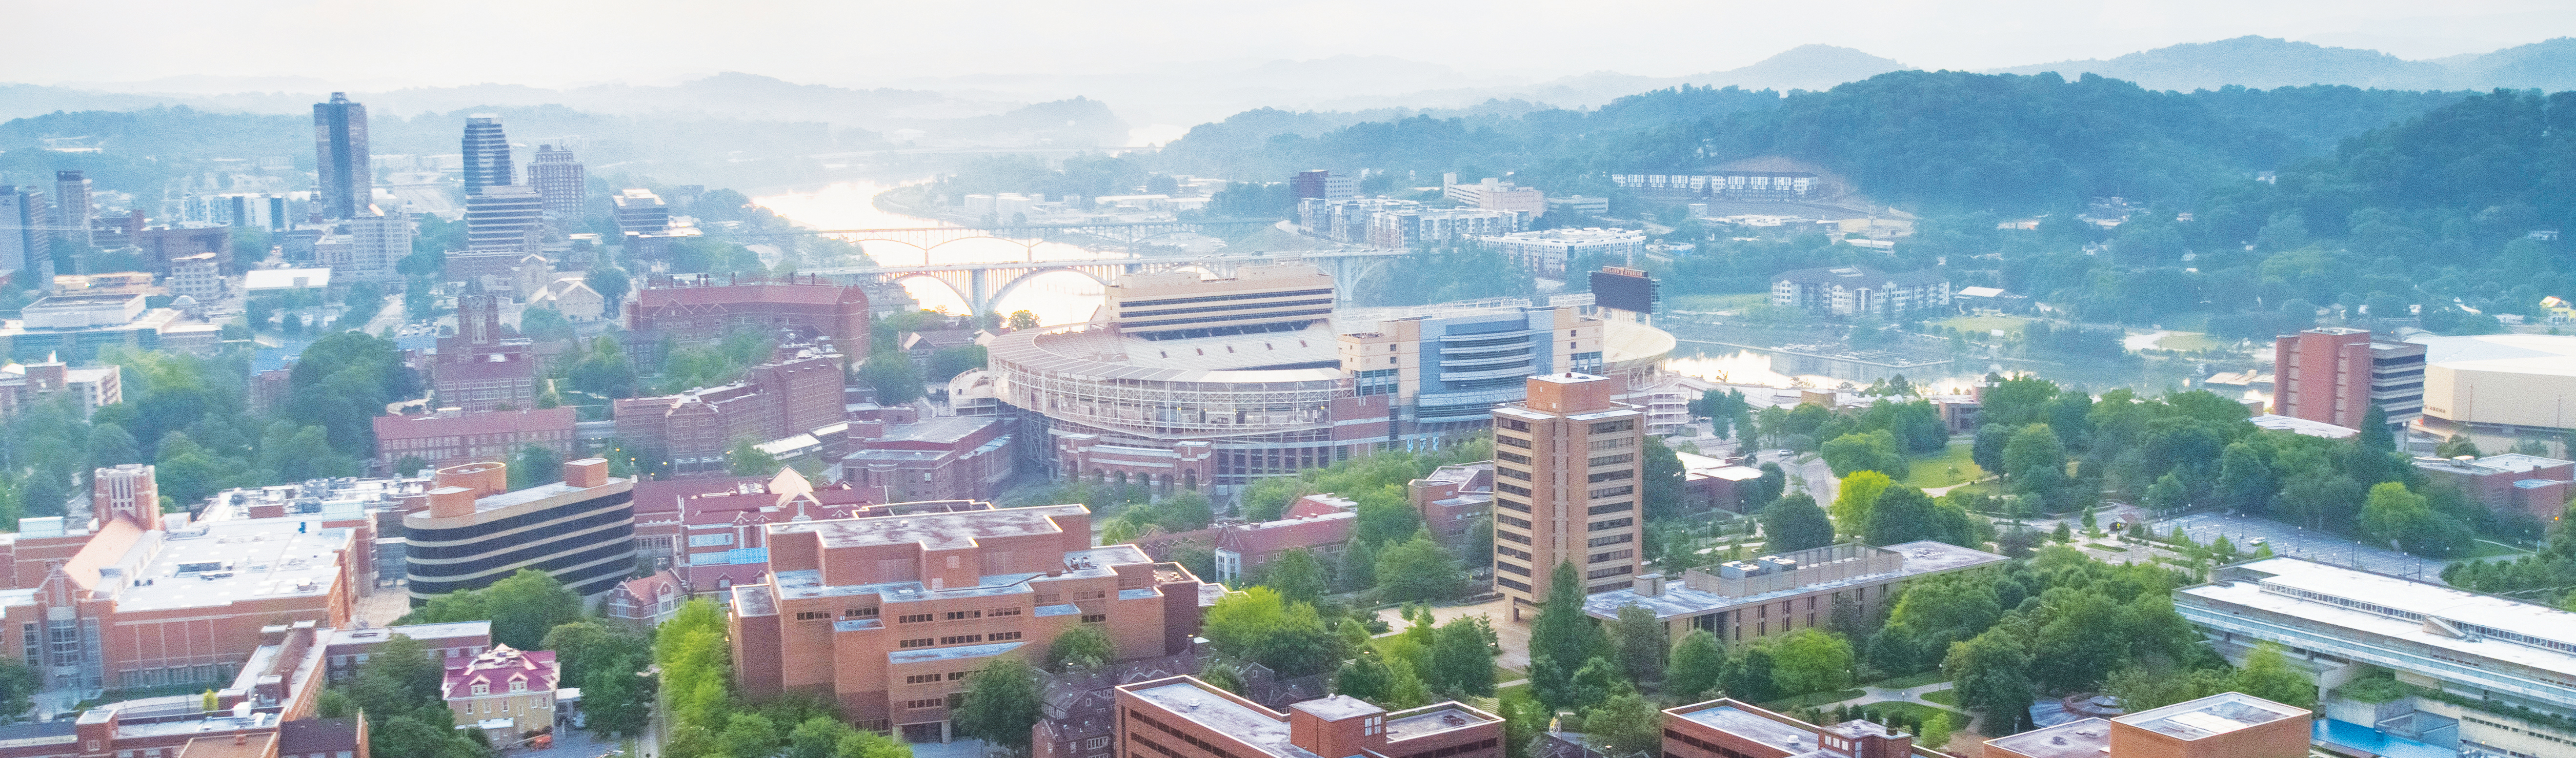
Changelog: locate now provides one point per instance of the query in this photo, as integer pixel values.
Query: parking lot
(2291, 541)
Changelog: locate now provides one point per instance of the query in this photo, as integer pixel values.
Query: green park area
(1953, 465)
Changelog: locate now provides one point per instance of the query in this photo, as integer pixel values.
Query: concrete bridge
(983, 284)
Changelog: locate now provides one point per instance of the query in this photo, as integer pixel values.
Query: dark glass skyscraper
(345, 179)
(487, 154)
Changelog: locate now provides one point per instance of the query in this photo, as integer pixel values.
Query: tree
(1810, 660)
(18, 685)
(751, 734)
(1625, 725)
(2267, 674)
(1297, 574)
(1749, 677)
(947, 362)
(617, 702)
(522, 608)
(2457, 445)
(1562, 631)
(746, 458)
(1462, 661)
(1870, 451)
(1002, 701)
(1794, 523)
(1936, 731)
(1405, 689)
(610, 282)
(1774, 481)
(1023, 320)
(1639, 643)
(585, 647)
(1992, 671)
(1418, 570)
(1697, 666)
(109, 445)
(533, 466)
(891, 372)
(1903, 514)
(1256, 625)
(1988, 449)
(1858, 493)
(1663, 489)
(2035, 459)
(1365, 677)
(1081, 648)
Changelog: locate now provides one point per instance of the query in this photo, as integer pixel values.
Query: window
(1614, 539)
(1508, 473)
(1612, 476)
(1522, 523)
(710, 540)
(1624, 489)
(1511, 551)
(1001, 636)
(1613, 459)
(912, 618)
(1512, 457)
(1611, 508)
(813, 615)
(1610, 556)
(1507, 582)
(1510, 537)
(1510, 504)
(1095, 618)
(1620, 425)
(1003, 612)
(956, 676)
(1513, 424)
(860, 613)
(923, 642)
(1511, 488)
(518, 685)
(1521, 570)
(935, 702)
(961, 639)
(481, 688)
(1612, 444)
(1612, 571)
(1609, 524)
(962, 615)
(1511, 441)
(921, 679)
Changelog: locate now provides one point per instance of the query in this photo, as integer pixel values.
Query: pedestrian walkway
(1870, 694)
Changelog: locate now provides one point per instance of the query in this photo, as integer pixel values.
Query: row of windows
(1510, 537)
(1512, 457)
(1512, 551)
(1613, 571)
(961, 615)
(1522, 523)
(1611, 476)
(1511, 441)
(1613, 443)
(1613, 458)
(813, 615)
(1624, 489)
(1512, 505)
(935, 678)
(1620, 425)
(1609, 524)
(1511, 488)
(860, 613)
(915, 618)
(1457, 749)
(1514, 424)
(1220, 298)
(928, 702)
(1620, 507)
(1521, 570)
(1513, 473)
(1178, 734)
(1507, 582)
(1610, 556)
(1615, 539)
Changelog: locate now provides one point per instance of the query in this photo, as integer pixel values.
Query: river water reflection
(1056, 298)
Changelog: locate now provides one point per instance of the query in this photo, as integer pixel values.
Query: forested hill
(1932, 140)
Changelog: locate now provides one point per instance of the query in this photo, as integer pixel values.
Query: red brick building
(689, 310)
(889, 615)
(1452, 498)
(939, 458)
(451, 436)
(1182, 717)
(2334, 375)
(1724, 728)
(477, 369)
(2509, 482)
(797, 392)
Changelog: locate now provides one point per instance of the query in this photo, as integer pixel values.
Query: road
(2289, 540)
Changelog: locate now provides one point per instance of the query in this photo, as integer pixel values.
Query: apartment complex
(889, 615)
(90, 388)
(1182, 717)
(1497, 195)
(450, 436)
(1759, 186)
(345, 180)
(1547, 252)
(1407, 228)
(474, 530)
(1565, 487)
(1778, 594)
(2490, 675)
(1346, 220)
(2334, 375)
(797, 392)
(1859, 290)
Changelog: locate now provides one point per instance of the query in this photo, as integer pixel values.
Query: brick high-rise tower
(1566, 486)
(2333, 375)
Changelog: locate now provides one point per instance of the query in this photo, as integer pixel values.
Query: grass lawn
(1935, 470)
(2188, 341)
(1985, 325)
(1944, 697)
(1717, 302)
(1507, 673)
(1910, 681)
(1813, 699)
(2491, 549)
(2112, 548)
(1915, 711)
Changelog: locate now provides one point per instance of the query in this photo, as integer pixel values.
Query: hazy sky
(371, 45)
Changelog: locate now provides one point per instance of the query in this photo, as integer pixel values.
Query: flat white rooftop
(2389, 606)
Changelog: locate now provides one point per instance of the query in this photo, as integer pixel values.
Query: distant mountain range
(2264, 63)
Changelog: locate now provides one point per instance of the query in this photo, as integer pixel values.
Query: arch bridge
(1029, 236)
(982, 285)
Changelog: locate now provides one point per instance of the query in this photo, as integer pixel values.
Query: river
(1056, 298)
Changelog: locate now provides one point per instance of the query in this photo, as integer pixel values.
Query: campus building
(1452, 498)
(1565, 487)
(2508, 483)
(799, 391)
(347, 649)
(451, 436)
(478, 369)
(2497, 383)
(1182, 717)
(1446, 370)
(2225, 725)
(503, 687)
(1725, 728)
(1778, 594)
(696, 311)
(474, 530)
(2334, 375)
(1546, 252)
(2489, 676)
(1497, 195)
(264, 711)
(1859, 290)
(889, 615)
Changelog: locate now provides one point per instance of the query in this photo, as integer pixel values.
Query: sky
(550, 43)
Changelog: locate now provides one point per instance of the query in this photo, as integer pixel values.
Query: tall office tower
(487, 154)
(24, 246)
(346, 181)
(1323, 184)
(71, 207)
(560, 183)
(504, 217)
(640, 211)
(1565, 487)
(2333, 375)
